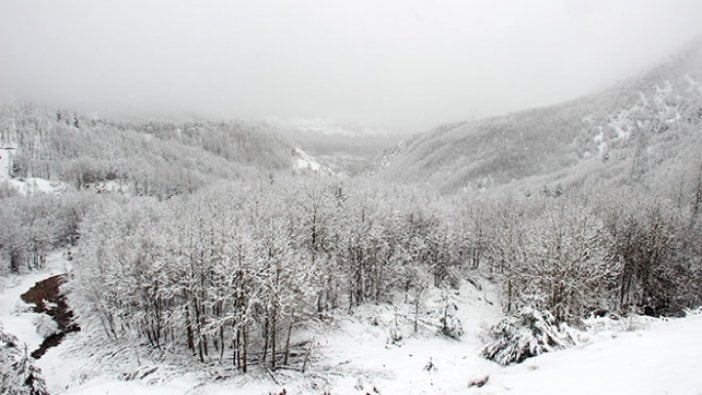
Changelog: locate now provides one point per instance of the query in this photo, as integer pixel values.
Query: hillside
(660, 108)
(149, 158)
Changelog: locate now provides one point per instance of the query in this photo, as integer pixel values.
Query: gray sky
(397, 64)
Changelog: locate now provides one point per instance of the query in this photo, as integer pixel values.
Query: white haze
(397, 64)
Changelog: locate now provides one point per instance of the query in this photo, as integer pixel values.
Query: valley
(549, 250)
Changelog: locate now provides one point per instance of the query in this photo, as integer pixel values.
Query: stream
(47, 298)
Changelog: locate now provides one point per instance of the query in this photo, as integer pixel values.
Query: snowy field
(355, 355)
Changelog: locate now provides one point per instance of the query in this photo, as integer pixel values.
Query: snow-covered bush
(527, 333)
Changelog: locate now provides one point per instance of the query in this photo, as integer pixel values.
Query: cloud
(398, 64)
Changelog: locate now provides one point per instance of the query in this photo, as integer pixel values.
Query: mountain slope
(664, 101)
(149, 158)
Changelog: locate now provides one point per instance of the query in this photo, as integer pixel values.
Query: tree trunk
(244, 362)
(266, 338)
(274, 336)
(188, 326)
(287, 339)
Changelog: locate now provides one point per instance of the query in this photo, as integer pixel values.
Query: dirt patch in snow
(47, 298)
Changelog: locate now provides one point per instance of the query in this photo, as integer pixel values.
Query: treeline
(620, 253)
(150, 158)
(230, 272)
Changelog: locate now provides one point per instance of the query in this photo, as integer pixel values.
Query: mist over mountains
(565, 143)
(181, 254)
(662, 107)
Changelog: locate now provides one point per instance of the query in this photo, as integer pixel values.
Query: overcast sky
(396, 64)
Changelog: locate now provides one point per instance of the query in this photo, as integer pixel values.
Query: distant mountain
(660, 108)
(343, 148)
(315, 126)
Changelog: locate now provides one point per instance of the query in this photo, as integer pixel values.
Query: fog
(397, 64)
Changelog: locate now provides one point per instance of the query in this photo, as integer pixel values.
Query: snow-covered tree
(528, 332)
(18, 374)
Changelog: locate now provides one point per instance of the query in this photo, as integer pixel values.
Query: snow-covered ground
(303, 161)
(356, 354)
(353, 354)
(663, 359)
(25, 186)
(32, 185)
(363, 357)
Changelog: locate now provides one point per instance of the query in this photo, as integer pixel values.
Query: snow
(61, 368)
(181, 385)
(16, 316)
(303, 161)
(130, 387)
(664, 359)
(33, 185)
(21, 325)
(355, 354)
(25, 186)
(600, 141)
(362, 356)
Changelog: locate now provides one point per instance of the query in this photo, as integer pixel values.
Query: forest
(228, 263)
